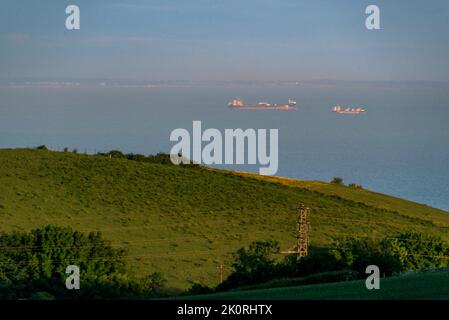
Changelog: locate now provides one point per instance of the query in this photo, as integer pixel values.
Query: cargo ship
(238, 104)
(338, 109)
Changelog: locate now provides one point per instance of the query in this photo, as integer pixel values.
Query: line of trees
(347, 259)
(160, 158)
(33, 265)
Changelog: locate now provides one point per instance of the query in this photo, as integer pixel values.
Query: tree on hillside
(407, 251)
(418, 251)
(253, 264)
(33, 266)
(358, 253)
(337, 180)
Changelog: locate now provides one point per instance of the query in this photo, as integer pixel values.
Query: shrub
(154, 282)
(198, 288)
(115, 154)
(417, 251)
(357, 254)
(407, 251)
(320, 260)
(337, 180)
(252, 265)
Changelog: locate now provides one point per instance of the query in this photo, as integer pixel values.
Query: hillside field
(185, 222)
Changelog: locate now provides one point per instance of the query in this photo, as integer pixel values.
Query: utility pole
(302, 238)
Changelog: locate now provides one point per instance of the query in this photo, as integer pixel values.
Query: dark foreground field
(426, 285)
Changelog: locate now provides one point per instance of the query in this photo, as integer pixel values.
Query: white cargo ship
(339, 109)
(238, 104)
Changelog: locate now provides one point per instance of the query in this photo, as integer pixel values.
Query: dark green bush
(358, 253)
(337, 180)
(198, 288)
(254, 264)
(407, 251)
(418, 251)
(320, 260)
(33, 265)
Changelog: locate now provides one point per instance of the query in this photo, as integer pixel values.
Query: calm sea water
(399, 147)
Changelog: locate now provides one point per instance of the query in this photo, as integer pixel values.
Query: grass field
(185, 222)
(427, 285)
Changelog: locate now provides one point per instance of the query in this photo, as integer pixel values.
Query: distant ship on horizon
(238, 104)
(338, 109)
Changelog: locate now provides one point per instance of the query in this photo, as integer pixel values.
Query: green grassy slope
(426, 285)
(184, 222)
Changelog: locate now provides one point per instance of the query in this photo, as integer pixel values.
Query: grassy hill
(185, 222)
(426, 285)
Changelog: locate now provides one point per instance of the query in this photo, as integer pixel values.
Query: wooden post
(221, 272)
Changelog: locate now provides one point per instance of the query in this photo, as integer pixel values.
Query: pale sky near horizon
(225, 40)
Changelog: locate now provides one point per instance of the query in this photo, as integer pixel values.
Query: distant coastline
(123, 83)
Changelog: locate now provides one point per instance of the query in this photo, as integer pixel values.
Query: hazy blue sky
(225, 40)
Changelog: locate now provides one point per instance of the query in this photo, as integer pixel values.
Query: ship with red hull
(238, 104)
